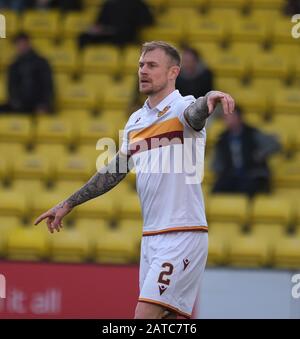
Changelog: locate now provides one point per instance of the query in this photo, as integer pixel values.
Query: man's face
(155, 71)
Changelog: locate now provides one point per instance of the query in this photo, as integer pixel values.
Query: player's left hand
(215, 97)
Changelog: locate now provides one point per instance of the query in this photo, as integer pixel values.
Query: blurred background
(68, 77)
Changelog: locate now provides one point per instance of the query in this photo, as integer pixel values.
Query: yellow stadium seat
(226, 84)
(27, 243)
(3, 168)
(248, 251)
(61, 81)
(278, 4)
(165, 30)
(7, 225)
(270, 86)
(53, 130)
(216, 251)
(221, 234)
(287, 252)
(9, 148)
(245, 50)
(270, 65)
(7, 53)
(192, 4)
(15, 128)
(70, 245)
(103, 59)
(251, 100)
(90, 131)
(45, 200)
(43, 45)
(3, 91)
(228, 64)
(75, 23)
(287, 175)
(130, 207)
(30, 166)
(27, 186)
(117, 117)
(118, 96)
(249, 29)
(133, 228)
(74, 167)
(289, 53)
(206, 49)
(130, 59)
(77, 96)
(115, 247)
(75, 114)
(205, 29)
(225, 230)
(271, 234)
(214, 131)
(93, 229)
(285, 129)
(53, 152)
(228, 208)
(287, 101)
(270, 209)
(12, 203)
(281, 31)
(228, 3)
(68, 187)
(62, 59)
(102, 207)
(44, 24)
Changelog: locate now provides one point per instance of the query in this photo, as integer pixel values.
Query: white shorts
(171, 269)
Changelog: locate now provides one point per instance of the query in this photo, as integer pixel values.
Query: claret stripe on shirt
(166, 133)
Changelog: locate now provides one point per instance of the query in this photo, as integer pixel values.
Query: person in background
(30, 83)
(240, 157)
(118, 22)
(291, 7)
(195, 77)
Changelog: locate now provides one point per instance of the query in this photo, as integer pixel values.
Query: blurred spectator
(63, 5)
(240, 159)
(16, 5)
(292, 7)
(195, 77)
(30, 85)
(20, 5)
(118, 22)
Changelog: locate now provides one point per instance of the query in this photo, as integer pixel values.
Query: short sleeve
(125, 140)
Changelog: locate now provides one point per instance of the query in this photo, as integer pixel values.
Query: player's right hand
(54, 216)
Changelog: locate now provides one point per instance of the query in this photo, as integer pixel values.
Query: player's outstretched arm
(99, 184)
(197, 113)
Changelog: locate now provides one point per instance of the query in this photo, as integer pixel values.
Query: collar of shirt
(165, 102)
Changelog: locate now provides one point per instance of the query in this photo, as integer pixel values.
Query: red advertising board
(47, 290)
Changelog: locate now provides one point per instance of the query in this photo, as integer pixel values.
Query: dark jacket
(125, 18)
(30, 83)
(256, 147)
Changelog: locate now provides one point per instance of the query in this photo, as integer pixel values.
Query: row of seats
(219, 208)
(265, 245)
(234, 60)
(88, 240)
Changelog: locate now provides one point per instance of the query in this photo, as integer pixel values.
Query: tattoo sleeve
(197, 113)
(101, 182)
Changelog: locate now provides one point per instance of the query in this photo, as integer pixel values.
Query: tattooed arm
(99, 184)
(197, 113)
